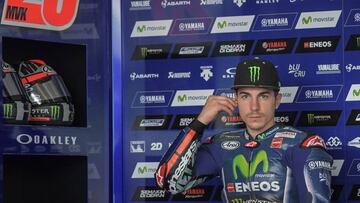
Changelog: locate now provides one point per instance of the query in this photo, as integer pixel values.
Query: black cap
(256, 73)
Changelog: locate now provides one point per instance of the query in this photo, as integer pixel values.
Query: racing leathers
(281, 164)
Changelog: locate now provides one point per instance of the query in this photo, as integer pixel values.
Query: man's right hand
(214, 105)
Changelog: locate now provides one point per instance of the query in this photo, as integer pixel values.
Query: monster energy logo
(311, 118)
(54, 112)
(254, 73)
(144, 51)
(8, 110)
(221, 25)
(248, 170)
(307, 21)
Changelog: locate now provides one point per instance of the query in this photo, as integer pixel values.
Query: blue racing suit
(281, 164)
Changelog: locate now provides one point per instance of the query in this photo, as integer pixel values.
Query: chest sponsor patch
(276, 143)
(230, 145)
(252, 144)
(286, 134)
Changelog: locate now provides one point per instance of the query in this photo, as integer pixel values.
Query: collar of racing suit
(267, 133)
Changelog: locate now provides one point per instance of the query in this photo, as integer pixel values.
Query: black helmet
(256, 73)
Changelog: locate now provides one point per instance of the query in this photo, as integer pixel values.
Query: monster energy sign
(8, 110)
(248, 170)
(54, 112)
(254, 73)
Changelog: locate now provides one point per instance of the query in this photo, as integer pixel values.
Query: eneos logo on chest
(55, 15)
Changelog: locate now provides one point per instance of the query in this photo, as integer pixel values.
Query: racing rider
(263, 163)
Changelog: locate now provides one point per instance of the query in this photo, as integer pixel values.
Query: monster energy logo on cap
(248, 170)
(8, 110)
(54, 112)
(254, 73)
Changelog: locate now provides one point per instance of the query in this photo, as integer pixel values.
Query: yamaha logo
(230, 145)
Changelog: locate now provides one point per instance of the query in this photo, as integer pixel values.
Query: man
(266, 162)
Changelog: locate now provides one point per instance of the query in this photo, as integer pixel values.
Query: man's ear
(278, 100)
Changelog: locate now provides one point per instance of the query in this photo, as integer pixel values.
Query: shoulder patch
(313, 141)
(286, 134)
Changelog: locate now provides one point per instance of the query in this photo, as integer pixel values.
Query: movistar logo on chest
(241, 166)
(254, 73)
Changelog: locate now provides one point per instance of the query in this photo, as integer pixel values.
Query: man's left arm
(311, 168)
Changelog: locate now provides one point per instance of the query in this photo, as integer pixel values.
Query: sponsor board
(40, 14)
(150, 193)
(191, 50)
(225, 92)
(354, 93)
(179, 75)
(296, 70)
(285, 117)
(25, 139)
(145, 170)
(152, 122)
(323, 69)
(206, 72)
(336, 167)
(333, 143)
(144, 99)
(354, 142)
(229, 73)
(232, 24)
(191, 26)
(151, 28)
(194, 194)
(319, 93)
(151, 51)
(354, 169)
(318, 19)
(239, 3)
(137, 146)
(354, 117)
(288, 94)
(319, 118)
(143, 76)
(232, 48)
(267, 1)
(355, 193)
(274, 46)
(274, 22)
(318, 44)
(140, 5)
(353, 19)
(211, 2)
(352, 67)
(175, 3)
(353, 43)
(183, 120)
(191, 97)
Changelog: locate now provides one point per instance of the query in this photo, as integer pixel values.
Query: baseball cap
(256, 73)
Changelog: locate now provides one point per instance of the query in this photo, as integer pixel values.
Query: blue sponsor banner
(271, 22)
(191, 26)
(316, 93)
(144, 99)
(353, 19)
